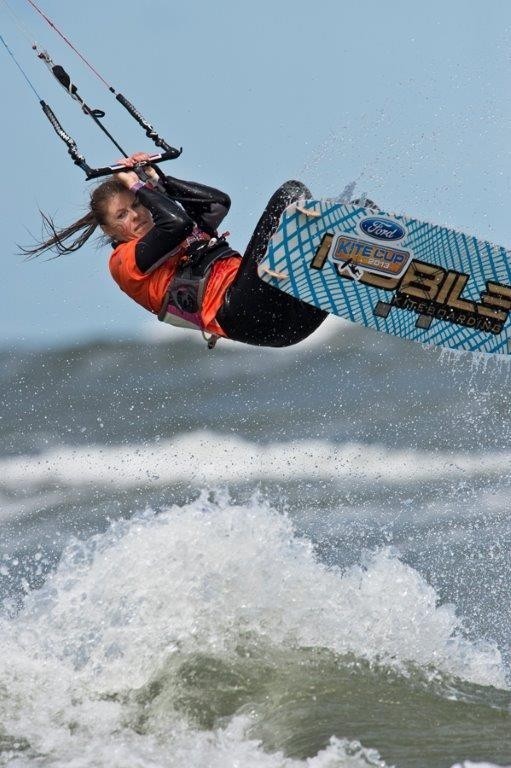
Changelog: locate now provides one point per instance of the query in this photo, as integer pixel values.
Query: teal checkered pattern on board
(298, 237)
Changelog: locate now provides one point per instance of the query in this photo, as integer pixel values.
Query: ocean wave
(203, 458)
(220, 580)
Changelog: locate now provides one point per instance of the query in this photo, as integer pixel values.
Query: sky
(411, 101)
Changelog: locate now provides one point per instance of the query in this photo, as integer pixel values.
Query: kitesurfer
(169, 257)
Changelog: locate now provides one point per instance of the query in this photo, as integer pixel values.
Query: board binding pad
(406, 277)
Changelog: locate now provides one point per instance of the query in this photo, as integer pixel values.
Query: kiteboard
(406, 277)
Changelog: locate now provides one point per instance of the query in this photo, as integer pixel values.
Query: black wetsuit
(198, 204)
(253, 311)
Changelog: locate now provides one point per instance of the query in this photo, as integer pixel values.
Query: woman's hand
(140, 157)
(128, 178)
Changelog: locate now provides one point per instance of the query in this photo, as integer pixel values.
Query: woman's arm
(207, 206)
(198, 203)
(172, 225)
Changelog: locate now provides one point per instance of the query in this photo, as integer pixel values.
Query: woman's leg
(255, 312)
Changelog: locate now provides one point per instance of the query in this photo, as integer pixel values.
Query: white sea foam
(468, 764)
(227, 747)
(205, 578)
(204, 458)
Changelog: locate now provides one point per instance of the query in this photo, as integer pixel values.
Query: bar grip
(109, 170)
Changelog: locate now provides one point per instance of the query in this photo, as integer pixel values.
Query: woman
(169, 258)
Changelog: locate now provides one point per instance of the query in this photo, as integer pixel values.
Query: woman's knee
(287, 193)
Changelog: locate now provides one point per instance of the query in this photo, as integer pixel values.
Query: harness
(182, 303)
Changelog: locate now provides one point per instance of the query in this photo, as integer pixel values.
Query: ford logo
(382, 229)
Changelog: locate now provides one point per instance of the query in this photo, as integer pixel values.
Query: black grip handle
(149, 130)
(78, 158)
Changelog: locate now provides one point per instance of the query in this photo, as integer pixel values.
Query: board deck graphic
(393, 273)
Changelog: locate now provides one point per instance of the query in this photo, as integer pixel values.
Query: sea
(254, 558)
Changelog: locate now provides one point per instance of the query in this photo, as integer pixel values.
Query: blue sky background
(410, 100)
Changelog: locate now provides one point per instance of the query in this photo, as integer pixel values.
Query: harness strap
(182, 304)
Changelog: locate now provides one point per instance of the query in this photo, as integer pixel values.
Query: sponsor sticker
(356, 256)
(382, 228)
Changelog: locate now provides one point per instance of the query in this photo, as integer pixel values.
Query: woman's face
(126, 218)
